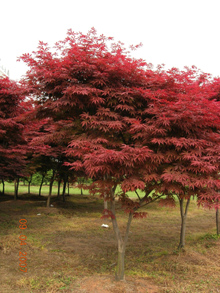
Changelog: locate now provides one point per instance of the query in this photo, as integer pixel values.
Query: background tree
(46, 150)
(214, 89)
(187, 137)
(12, 142)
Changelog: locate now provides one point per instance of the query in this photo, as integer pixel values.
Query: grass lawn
(68, 250)
(9, 189)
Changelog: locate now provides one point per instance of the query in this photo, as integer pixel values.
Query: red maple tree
(185, 126)
(46, 145)
(12, 142)
(126, 124)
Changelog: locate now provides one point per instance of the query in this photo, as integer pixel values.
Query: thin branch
(181, 206)
(127, 229)
(113, 189)
(153, 200)
(123, 139)
(137, 195)
(114, 221)
(182, 211)
(187, 206)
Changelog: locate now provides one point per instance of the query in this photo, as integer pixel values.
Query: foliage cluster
(95, 112)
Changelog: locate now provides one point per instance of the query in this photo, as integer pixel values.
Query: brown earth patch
(98, 284)
(69, 251)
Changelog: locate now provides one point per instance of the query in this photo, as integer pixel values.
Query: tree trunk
(183, 221)
(58, 188)
(119, 274)
(120, 269)
(68, 188)
(15, 190)
(18, 181)
(182, 232)
(50, 192)
(41, 184)
(217, 221)
(81, 191)
(3, 186)
(105, 196)
(16, 184)
(105, 203)
(29, 185)
(50, 189)
(64, 189)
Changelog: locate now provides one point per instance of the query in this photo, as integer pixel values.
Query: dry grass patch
(69, 251)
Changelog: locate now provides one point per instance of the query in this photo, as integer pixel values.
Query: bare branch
(138, 195)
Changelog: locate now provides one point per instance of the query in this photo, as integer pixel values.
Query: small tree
(46, 149)
(186, 132)
(12, 142)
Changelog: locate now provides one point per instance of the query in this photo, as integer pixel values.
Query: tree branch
(127, 228)
(138, 195)
(114, 221)
(153, 200)
(123, 139)
(187, 206)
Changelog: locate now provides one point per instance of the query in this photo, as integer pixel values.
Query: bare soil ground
(68, 250)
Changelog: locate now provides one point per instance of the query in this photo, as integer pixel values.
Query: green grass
(9, 188)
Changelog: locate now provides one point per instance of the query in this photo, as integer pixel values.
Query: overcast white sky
(174, 32)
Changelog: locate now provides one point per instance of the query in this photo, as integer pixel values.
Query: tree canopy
(116, 120)
(121, 118)
(12, 142)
